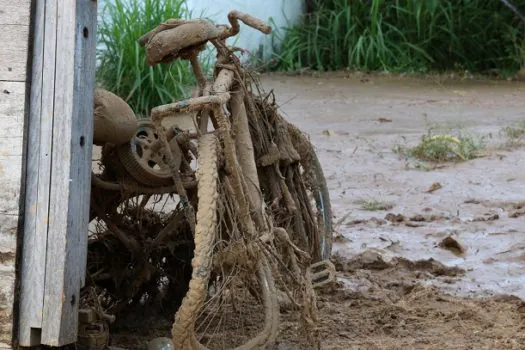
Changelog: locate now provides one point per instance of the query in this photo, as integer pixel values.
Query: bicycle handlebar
(181, 38)
(235, 16)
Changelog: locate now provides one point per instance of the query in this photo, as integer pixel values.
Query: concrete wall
(14, 36)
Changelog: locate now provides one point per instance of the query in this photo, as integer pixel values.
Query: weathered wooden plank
(83, 117)
(13, 57)
(38, 174)
(6, 303)
(12, 109)
(70, 169)
(12, 102)
(8, 241)
(10, 173)
(15, 12)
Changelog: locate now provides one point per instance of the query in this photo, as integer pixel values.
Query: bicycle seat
(177, 39)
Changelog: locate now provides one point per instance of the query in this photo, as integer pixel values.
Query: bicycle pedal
(321, 273)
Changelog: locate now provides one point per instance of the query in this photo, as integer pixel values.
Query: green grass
(515, 135)
(405, 35)
(444, 148)
(122, 64)
(373, 205)
(515, 132)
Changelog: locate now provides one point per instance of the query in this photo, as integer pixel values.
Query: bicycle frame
(210, 101)
(241, 146)
(231, 107)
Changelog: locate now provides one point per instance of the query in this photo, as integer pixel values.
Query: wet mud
(439, 264)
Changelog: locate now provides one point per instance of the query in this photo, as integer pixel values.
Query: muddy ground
(398, 287)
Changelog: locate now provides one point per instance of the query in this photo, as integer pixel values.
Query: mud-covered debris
(395, 218)
(450, 243)
(519, 205)
(394, 246)
(519, 210)
(434, 187)
(508, 299)
(114, 120)
(426, 218)
(377, 221)
(329, 132)
(285, 345)
(369, 260)
(432, 266)
(472, 201)
(486, 217)
(374, 205)
(492, 217)
(372, 220)
(418, 218)
(384, 120)
(342, 220)
(375, 261)
(517, 213)
(341, 239)
(413, 224)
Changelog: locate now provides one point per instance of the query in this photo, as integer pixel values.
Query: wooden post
(58, 171)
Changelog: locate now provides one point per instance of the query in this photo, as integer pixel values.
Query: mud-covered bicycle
(252, 203)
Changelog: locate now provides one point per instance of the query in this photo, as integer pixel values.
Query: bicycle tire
(319, 188)
(322, 199)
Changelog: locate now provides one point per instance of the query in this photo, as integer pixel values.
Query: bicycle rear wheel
(292, 180)
(315, 182)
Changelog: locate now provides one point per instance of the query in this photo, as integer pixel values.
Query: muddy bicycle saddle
(177, 38)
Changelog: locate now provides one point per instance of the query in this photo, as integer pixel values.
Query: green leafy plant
(515, 135)
(373, 205)
(122, 64)
(516, 131)
(444, 148)
(404, 35)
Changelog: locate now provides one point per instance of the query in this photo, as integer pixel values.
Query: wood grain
(38, 175)
(14, 36)
(15, 12)
(13, 57)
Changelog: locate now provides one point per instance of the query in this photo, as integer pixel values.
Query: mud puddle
(342, 114)
(386, 203)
